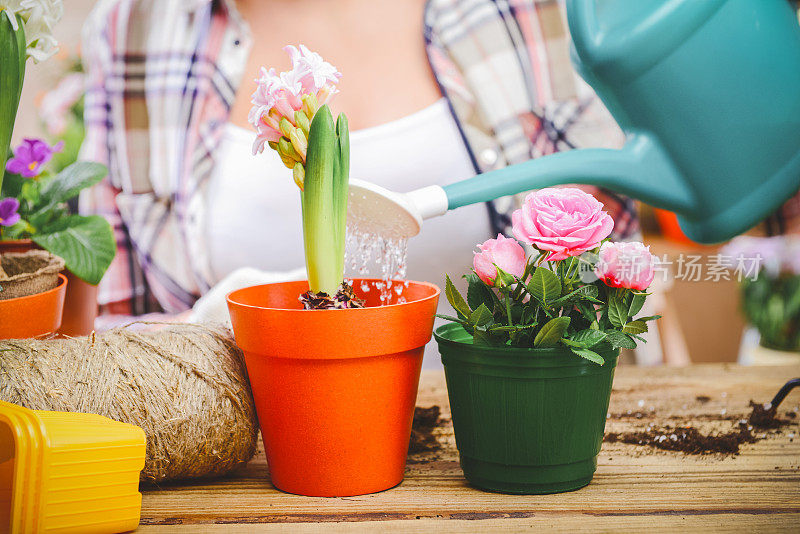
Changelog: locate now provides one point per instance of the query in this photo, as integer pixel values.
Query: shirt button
(488, 157)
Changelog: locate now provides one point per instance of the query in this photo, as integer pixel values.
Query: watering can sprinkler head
(376, 210)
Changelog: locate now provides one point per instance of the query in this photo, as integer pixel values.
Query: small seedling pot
(334, 389)
(34, 315)
(526, 421)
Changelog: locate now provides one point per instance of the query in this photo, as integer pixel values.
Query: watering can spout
(641, 169)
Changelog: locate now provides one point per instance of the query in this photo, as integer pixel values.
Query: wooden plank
(634, 488)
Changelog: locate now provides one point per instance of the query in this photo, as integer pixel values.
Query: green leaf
(590, 355)
(479, 337)
(478, 293)
(582, 293)
(636, 304)
(552, 331)
(544, 285)
(617, 311)
(71, 181)
(588, 338)
(462, 322)
(481, 316)
(455, 299)
(12, 71)
(620, 340)
(321, 218)
(635, 327)
(86, 244)
(654, 317)
(505, 328)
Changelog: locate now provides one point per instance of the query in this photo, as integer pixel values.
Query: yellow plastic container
(66, 472)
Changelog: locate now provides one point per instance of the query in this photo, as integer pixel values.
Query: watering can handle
(602, 45)
(640, 169)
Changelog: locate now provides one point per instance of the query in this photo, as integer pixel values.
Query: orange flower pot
(334, 389)
(34, 315)
(80, 303)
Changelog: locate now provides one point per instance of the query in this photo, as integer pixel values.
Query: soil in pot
(526, 421)
(28, 273)
(334, 389)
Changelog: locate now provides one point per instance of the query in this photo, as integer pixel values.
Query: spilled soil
(426, 420)
(684, 437)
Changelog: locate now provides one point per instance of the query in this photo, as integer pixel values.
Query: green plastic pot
(527, 421)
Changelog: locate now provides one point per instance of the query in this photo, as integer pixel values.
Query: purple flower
(30, 156)
(8, 211)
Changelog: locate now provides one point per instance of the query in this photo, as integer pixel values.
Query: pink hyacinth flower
(279, 95)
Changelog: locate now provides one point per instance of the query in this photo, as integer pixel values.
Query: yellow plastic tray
(66, 472)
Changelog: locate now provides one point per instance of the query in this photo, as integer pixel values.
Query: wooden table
(635, 488)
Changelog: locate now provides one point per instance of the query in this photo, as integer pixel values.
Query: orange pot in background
(34, 315)
(80, 303)
(334, 389)
(670, 229)
(80, 308)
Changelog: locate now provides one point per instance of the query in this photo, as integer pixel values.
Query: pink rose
(627, 265)
(564, 221)
(501, 252)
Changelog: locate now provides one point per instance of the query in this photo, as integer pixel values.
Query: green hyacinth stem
(325, 201)
(13, 53)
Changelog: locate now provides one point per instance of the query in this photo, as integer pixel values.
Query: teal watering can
(708, 95)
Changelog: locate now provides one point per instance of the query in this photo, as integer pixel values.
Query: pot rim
(231, 297)
(286, 330)
(62, 281)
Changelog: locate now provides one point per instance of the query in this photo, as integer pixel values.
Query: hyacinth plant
(291, 115)
(578, 289)
(26, 30)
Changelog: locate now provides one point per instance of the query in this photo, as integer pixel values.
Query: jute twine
(185, 385)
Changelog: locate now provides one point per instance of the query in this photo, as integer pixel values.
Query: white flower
(39, 17)
(310, 69)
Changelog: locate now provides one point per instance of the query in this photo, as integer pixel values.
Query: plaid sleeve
(124, 274)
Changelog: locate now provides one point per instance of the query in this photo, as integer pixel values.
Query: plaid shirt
(163, 75)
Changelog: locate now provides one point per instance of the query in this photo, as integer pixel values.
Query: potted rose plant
(530, 358)
(333, 369)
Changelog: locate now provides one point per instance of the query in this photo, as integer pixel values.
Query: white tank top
(254, 206)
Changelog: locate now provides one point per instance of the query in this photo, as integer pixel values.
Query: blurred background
(704, 311)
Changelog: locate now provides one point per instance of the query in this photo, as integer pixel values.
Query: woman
(170, 82)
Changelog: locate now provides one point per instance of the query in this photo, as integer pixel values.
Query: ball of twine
(185, 385)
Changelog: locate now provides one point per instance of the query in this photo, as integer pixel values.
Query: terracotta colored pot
(334, 389)
(80, 307)
(80, 303)
(668, 222)
(34, 315)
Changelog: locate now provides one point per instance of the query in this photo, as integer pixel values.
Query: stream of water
(368, 255)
